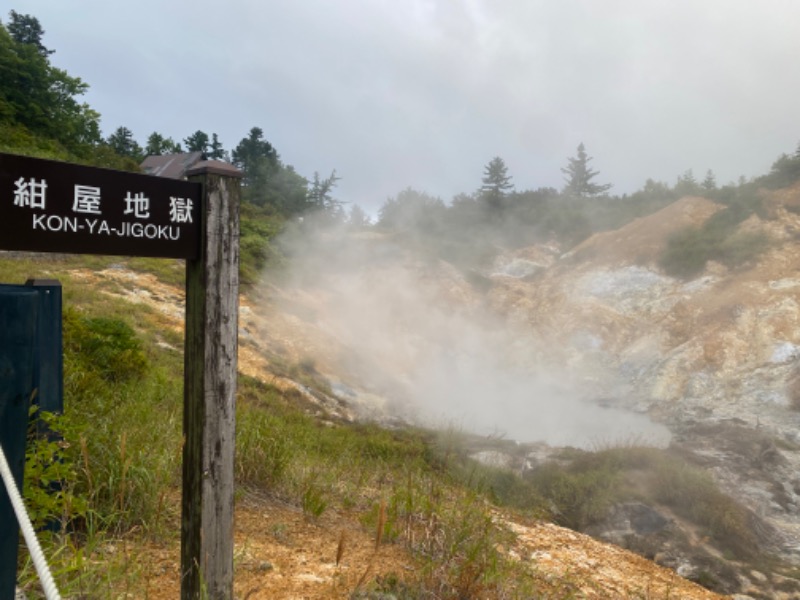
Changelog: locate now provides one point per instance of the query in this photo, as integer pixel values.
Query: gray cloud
(426, 92)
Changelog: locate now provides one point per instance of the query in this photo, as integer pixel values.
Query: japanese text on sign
(84, 208)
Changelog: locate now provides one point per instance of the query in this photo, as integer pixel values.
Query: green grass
(719, 238)
(581, 492)
(258, 227)
(118, 456)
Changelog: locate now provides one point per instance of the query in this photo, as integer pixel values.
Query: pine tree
(122, 142)
(357, 218)
(197, 142)
(320, 194)
(252, 151)
(215, 151)
(496, 182)
(687, 185)
(158, 145)
(579, 177)
(709, 184)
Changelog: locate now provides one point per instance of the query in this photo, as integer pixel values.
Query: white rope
(50, 589)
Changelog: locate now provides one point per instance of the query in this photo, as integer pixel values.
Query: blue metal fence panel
(49, 363)
(18, 315)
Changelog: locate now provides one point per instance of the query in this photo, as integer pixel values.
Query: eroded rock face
(715, 359)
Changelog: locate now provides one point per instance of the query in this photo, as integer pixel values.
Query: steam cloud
(409, 328)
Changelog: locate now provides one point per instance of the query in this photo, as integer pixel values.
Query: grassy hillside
(118, 465)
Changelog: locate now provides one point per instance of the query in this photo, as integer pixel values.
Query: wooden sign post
(209, 413)
(50, 206)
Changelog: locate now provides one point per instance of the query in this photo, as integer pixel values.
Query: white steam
(413, 330)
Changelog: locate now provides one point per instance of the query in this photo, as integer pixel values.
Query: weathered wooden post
(51, 206)
(210, 370)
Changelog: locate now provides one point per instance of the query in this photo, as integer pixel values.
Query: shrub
(51, 477)
(686, 254)
(579, 495)
(257, 228)
(741, 248)
(689, 249)
(785, 171)
(581, 492)
(105, 346)
(694, 495)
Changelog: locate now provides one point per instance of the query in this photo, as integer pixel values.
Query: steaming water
(530, 408)
(586, 426)
(419, 331)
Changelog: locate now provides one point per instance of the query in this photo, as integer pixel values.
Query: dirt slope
(282, 554)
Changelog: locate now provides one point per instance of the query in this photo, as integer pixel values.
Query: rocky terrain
(708, 365)
(714, 358)
(280, 553)
(589, 348)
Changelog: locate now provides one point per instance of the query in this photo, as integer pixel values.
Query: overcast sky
(424, 93)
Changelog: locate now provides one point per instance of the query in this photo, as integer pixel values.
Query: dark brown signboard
(51, 206)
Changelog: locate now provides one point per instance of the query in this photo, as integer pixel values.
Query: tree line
(268, 182)
(473, 227)
(41, 112)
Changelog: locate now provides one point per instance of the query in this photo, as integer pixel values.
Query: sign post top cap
(216, 167)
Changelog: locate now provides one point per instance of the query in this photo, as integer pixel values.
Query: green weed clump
(689, 250)
(258, 226)
(50, 480)
(263, 452)
(121, 422)
(578, 496)
(694, 495)
(103, 346)
(581, 492)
